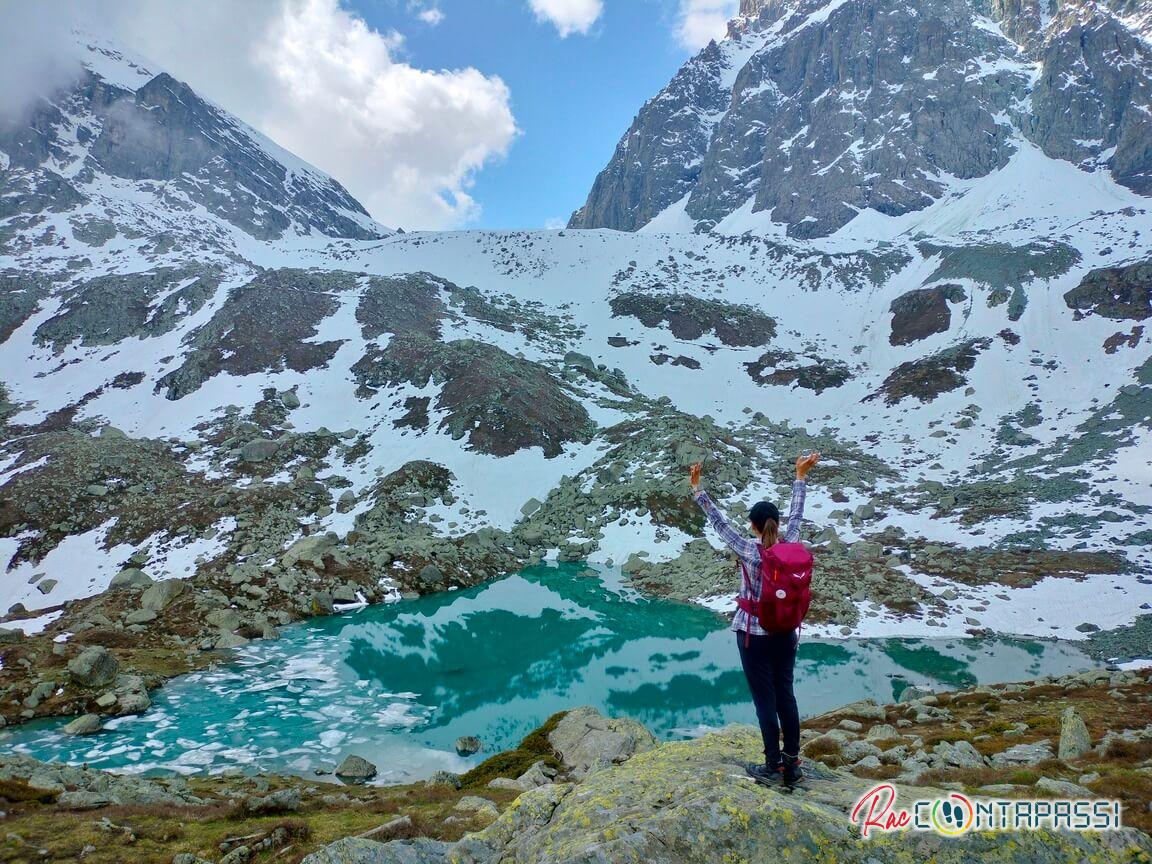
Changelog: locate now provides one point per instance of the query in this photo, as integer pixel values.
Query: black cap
(761, 512)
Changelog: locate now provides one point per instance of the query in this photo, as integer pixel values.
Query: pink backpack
(785, 588)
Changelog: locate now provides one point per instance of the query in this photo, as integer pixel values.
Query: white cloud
(406, 141)
(699, 21)
(427, 11)
(34, 57)
(554, 223)
(568, 16)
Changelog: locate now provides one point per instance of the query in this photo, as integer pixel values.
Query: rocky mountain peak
(118, 121)
(814, 111)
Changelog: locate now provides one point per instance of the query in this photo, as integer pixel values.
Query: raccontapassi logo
(956, 814)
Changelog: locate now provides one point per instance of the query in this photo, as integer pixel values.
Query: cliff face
(816, 110)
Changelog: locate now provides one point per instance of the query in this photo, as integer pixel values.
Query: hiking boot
(790, 771)
(763, 774)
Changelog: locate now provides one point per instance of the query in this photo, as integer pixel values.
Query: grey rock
(958, 754)
(45, 586)
(1063, 788)
(161, 595)
(93, 667)
(224, 619)
(476, 805)
(140, 616)
(587, 741)
(82, 799)
(229, 640)
(913, 693)
(507, 783)
(355, 768)
(356, 850)
(431, 576)
(280, 801)
(259, 450)
(86, 724)
(130, 577)
(1024, 754)
(1074, 738)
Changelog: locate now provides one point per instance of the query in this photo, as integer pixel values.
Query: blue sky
(572, 97)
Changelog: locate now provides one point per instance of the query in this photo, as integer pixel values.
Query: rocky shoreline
(586, 787)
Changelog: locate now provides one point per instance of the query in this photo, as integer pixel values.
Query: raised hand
(694, 476)
(804, 464)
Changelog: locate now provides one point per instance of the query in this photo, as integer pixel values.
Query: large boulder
(86, 724)
(161, 595)
(585, 740)
(1074, 738)
(94, 667)
(355, 768)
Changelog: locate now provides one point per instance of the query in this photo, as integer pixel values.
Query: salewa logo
(955, 814)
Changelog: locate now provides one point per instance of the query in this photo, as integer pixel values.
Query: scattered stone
(259, 450)
(94, 667)
(1024, 754)
(140, 616)
(280, 801)
(468, 745)
(912, 694)
(82, 799)
(1074, 738)
(355, 768)
(86, 724)
(130, 577)
(958, 754)
(478, 806)
(162, 594)
(1063, 788)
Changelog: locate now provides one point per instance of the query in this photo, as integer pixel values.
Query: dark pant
(768, 662)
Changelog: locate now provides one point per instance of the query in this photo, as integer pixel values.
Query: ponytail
(770, 536)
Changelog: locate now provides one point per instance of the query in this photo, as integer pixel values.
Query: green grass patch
(512, 763)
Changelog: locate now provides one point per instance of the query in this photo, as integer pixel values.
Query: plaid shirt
(748, 550)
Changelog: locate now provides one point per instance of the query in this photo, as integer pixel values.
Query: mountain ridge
(893, 102)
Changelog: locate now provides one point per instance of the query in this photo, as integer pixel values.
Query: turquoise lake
(398, 684)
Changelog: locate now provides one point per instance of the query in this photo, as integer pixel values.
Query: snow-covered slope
(192, 394)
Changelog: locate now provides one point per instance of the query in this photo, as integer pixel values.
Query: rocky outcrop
(263, 326)
(19, 296)
(690, 317)
(786, 368)
(691, 801)
(1091, 103)
(922, 313)
(499, 402)
(928, 377)
(586, 741)
(1119, 293)
(107, 309)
